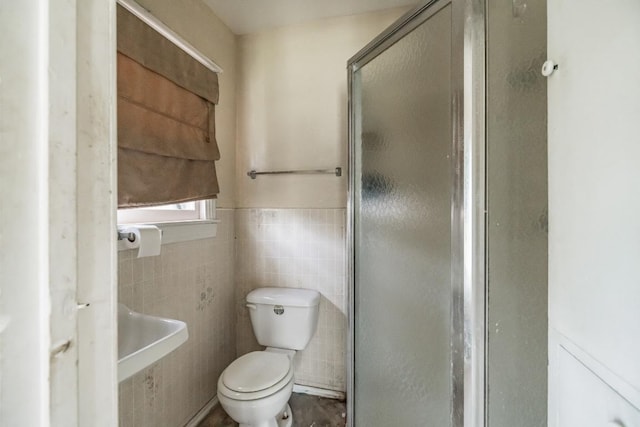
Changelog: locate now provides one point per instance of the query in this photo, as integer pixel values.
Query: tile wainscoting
(193, 282)
(299, 248)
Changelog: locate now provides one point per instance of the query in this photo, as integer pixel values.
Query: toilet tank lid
(284, 296)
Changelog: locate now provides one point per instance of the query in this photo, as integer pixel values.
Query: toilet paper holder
(128, 236)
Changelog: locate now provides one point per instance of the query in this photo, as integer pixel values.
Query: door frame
(58, 309)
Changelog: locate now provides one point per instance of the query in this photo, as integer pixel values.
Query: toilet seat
(256, 371)
(256, 375)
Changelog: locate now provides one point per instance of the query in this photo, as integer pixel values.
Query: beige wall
(203, 29)
(292, 108)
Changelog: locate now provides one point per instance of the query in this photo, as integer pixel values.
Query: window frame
(158, 215)
(174, 231)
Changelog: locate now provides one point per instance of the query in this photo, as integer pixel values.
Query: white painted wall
(292, 109)
(594, 209)
(24, 263)
(96, 210)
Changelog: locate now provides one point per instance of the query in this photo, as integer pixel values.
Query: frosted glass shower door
(402, 230)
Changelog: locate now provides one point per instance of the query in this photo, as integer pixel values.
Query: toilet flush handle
(252, 306)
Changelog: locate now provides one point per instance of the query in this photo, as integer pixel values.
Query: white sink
(144, 339)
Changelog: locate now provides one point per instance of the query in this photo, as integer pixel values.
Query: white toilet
(255, 388)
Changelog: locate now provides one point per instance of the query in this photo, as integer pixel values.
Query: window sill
(180, 231)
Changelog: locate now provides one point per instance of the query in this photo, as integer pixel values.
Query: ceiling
(250, 16)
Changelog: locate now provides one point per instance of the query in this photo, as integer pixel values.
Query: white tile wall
(299, 248)
(194, 282)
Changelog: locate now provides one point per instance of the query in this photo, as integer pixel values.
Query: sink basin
(143, 339)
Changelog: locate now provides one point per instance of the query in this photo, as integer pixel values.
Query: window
(179, 222)
(188, 211)
(167, 147)
(167, 92)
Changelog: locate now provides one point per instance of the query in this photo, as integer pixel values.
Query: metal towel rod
(337, 171)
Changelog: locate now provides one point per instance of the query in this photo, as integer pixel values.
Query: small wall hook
(548, 67)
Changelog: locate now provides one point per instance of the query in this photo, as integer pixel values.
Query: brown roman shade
(166, 122)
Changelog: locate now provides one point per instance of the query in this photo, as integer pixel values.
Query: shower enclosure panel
(403, 194)
(447, 219)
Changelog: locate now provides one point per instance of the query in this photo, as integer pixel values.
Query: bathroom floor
(308, 411)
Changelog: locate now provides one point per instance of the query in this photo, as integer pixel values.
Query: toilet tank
(284, 317)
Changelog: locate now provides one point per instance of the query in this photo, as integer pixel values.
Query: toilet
(255, 388)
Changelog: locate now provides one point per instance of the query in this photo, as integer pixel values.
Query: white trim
(174, 232)
(96, 171)
(321, 392)
(202, 413)
(146, 17)
(613, 380)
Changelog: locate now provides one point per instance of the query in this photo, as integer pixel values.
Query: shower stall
(447, 140)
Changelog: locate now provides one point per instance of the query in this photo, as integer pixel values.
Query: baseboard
(202, 413)
(316, 391)
(297, 388)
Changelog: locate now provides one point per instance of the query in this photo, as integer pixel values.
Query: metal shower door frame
(468, 212)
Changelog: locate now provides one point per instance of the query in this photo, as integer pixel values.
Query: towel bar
(337, 172)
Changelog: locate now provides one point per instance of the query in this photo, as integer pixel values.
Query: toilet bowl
(255, 388)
